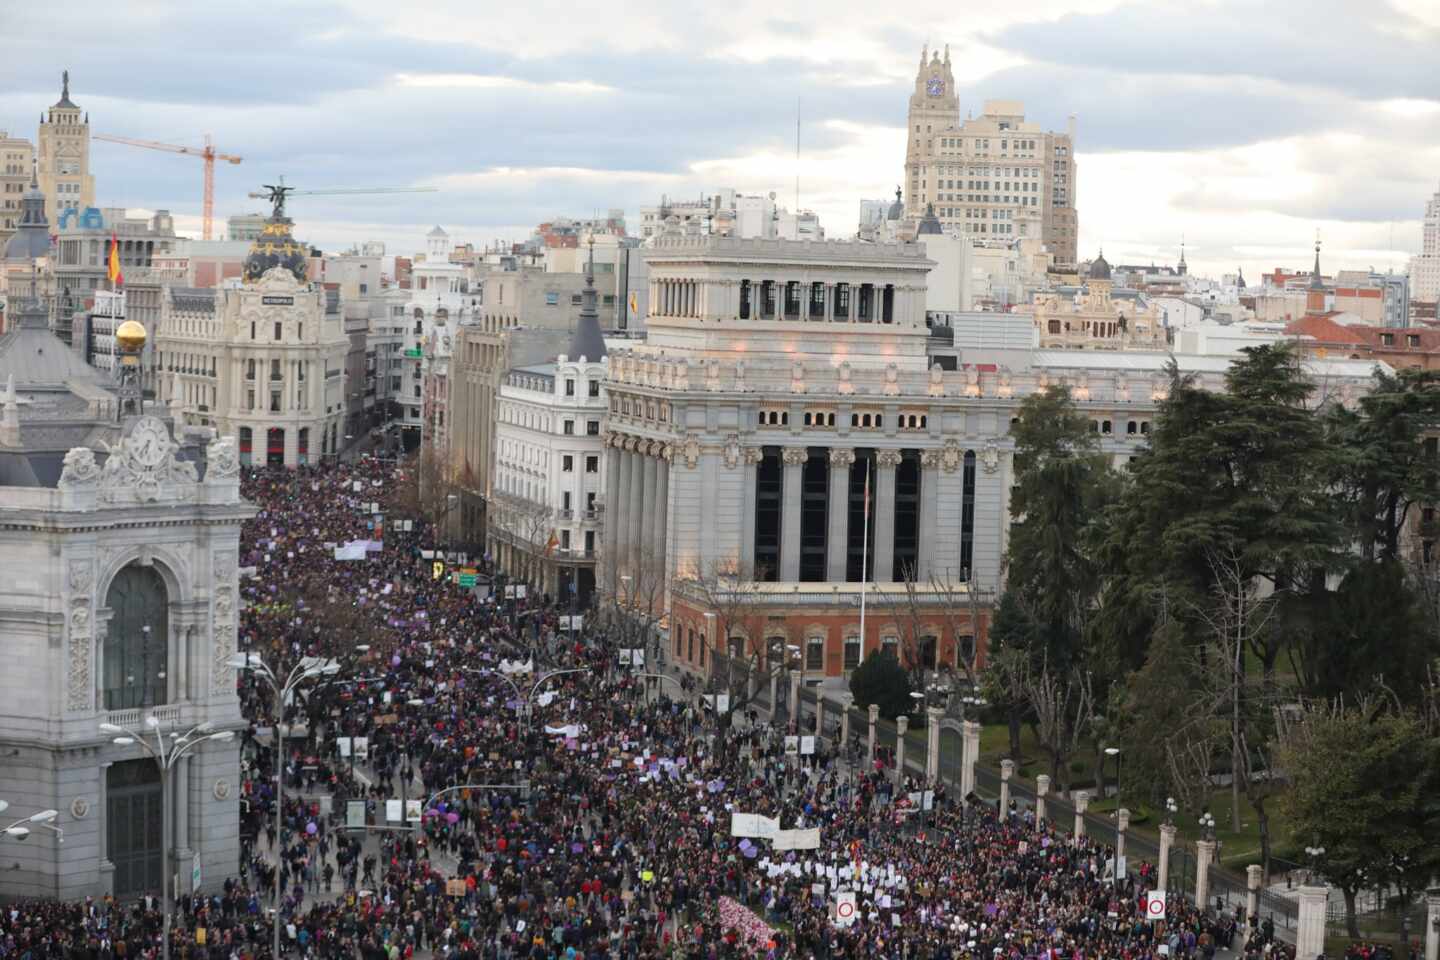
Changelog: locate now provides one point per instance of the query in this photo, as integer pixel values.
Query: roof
(1155, 361)
(437, 232)
(1323, 328)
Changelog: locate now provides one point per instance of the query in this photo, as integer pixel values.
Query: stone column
(844, 724)
(611, 517)
(882, 564)
(929, 512)
(750, 464)
(634, 501)
(1254, 877)
(794, 699)
(902, 724)
(794, 460)
(837, 536)
(774, 692)
(1082, 803)
(970, 737)
(819, 714)
(874, 712)
(1432, 924)
(660, 507)
(1310, 930)
(1122, 825)
(651, 477)
(1167, 840)
(1042, 790)
(183, 850)
(1204, 856)
(1007, 770)
(932, 744)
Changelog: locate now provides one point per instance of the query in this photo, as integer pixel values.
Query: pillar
(932, 744)
(1310, 930)
(844, 724)
(837, 537)
(1204, 856)
(874, 713)
(929, 513)
(1167, 840)
(1254, 877)
(819, 714)
(1042, 790)
(794, 698)
(882, 564)
(970, 739)
(611, 518)
(1007, 770)
(793, 459)
(1082, 803)
(660, 507)
(1432, 924)
(651, 477)
(182, 849)
(902, 724)
(1122, 826)
(633, 500)
(750, 464)
(774, 691)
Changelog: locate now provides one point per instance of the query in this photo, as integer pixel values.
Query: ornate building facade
(119, 599)
(1096, 316)
(64, 156)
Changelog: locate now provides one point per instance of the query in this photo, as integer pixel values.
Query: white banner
(807, 746)
(509, 667)
(797, 839)
(412, 810)
(753, 825)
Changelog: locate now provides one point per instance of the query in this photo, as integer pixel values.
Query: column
(829, 309)
(838, 534)
(1042, 790)
(634, 504)
(650, 476)
(1254, 877)
(774, 690)
(819, 714)
(1082, 803)
(882, 563)
(1432, 923)
(932, 744)
(660, 507)
(844, 724)
(1007, 770)
(750, 464)
(617, 515)
(929, 500)
(1204, 856)
(902, 724)
(182, 849)
(794, 459)
(874, 714)
(1310, 931)
(1122, 825)
(794, 699)
(610, 533)
(970, 737)
(1167, 840)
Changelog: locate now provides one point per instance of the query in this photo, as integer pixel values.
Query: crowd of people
(585, 815)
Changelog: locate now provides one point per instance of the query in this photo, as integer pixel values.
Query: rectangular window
(592, 464)
(569, 388)
(274, 401)
(594, 388)
(852, 653)
(592, 428)
(277, 329)
(569, 428)
(564, 539)
(567, 465)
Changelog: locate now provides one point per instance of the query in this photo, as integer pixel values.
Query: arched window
(137, 642)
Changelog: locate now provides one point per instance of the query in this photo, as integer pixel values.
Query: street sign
(1155, 905)
(355, 814)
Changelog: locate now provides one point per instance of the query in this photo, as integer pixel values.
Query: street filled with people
(568, 807)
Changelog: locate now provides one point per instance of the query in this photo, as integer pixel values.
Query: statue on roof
(276, 194)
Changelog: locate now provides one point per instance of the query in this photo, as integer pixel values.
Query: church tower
(934, 108)
(65, 156)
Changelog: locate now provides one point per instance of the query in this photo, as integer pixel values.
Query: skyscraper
(1425, 267)
(994, 176)
(65, 156)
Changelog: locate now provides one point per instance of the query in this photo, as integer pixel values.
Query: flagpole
(865, 556)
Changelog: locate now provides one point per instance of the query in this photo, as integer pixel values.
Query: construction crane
(208, 153)
(278, 193)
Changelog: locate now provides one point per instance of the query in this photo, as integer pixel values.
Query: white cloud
(480, 81)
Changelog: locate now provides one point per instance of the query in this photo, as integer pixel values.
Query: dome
(929, 224)
(1100, 268)
(275, 247)
(130, 335)
(897, 209)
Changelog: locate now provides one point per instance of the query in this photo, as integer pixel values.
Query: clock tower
(934, 107)
(64, 156)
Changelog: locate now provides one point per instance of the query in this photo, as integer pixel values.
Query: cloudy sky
(1243, 125)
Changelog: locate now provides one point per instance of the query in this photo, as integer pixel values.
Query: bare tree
(913, 631)
(1064, 708)
(738, 635)
(527, 526)
(960, 606)
(430, 478)
(637, 601)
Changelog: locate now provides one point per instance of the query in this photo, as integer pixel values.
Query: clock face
(935, 87)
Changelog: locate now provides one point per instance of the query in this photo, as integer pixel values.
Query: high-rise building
(995, 175)
(65, 156)
(1425, 267)
(17, 158)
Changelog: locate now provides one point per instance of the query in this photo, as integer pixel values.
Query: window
(569, 387)
(569, 429)
(594, 388)
(274, 401)
(567, 464)
(574, 299)
(565, 501)
(852, 652)
(1412, 339)
(564, 539)
(136, 644)
(277, 329)
(1387, 339)
(592, 428)
(815, 654)
(592, 464)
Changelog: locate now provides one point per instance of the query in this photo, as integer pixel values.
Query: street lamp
(1314, 853)
(166, 752)
(19, 829)
(1207, 824)
(1115, 752)
(1171, 808)
(309, 668)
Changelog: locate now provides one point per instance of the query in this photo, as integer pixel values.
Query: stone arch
(174, 575)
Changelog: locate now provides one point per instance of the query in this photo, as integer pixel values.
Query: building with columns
(783, 381)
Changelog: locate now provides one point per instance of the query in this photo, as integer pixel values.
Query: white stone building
(440, 300)
(1425, 266)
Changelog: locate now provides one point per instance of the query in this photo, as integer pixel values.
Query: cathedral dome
(276, 247)
(929, 224)
(1100, 268)
(897, 209)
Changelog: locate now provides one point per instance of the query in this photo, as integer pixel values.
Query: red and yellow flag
(113, 266)
(551, 544)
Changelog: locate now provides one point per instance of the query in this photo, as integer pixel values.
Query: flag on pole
(551, 544)
(634, 304)
(113, 266)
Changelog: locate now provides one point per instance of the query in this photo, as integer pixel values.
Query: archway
(136, 650)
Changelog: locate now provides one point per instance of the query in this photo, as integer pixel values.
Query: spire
(1315, 282)
(1182, 254)
(924, 55)
(65, 85)
(588, 341)
(947, 54)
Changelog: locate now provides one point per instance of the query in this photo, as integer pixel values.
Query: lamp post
(166, 755)
(309, 668)
(1314, 853)
(1115, 752)
(20, 829)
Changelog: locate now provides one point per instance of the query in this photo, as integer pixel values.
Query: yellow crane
(208, 153)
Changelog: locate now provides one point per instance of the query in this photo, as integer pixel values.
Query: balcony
(168, 715)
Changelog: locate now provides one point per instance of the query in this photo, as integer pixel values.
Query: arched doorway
(136, 649)
(275, 447)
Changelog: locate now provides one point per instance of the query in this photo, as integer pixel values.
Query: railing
(134, 717)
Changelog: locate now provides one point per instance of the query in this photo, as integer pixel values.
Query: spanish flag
(634, 304)
(113, 268)
(551, 544)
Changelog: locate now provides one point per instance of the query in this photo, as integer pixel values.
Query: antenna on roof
(797, 156)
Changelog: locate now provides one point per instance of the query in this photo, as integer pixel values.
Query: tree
(739, 623)
(1149, 701)
(429, 481)
(1064, 709)
(1013, 640)
(907, 610)
(881, 680)
(638, 600)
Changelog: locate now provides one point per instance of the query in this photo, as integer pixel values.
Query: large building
(17, 165)
(119, 581)
(1098, 316)
(64, 156)
(779, 383)
(1425, 266)
(995, 175)
(261, 360)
